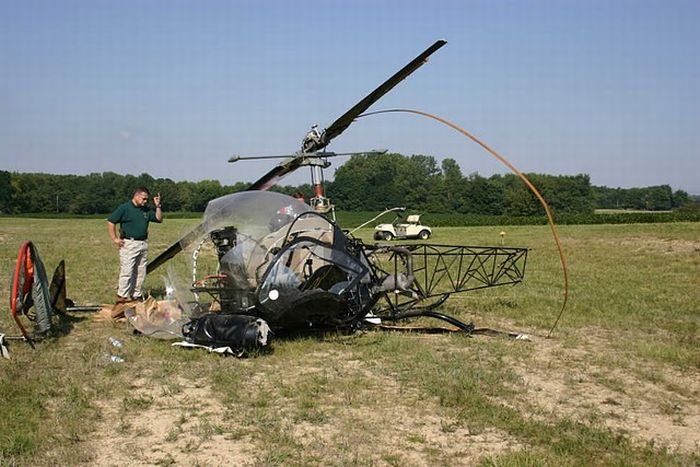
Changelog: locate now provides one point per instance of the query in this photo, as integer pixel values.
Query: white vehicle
(411, 229)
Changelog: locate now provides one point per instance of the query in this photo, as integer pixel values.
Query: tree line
(364, 183)
(373, 183)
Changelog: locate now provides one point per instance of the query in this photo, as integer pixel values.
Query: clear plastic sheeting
(178, 291)
(160, 319)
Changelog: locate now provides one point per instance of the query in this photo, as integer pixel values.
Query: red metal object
(24, 260)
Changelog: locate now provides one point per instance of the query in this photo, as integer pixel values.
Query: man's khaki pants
(132, 268)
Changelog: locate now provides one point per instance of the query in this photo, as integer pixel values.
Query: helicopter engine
(224, 239)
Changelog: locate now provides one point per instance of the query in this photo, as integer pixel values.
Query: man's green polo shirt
(133, 221)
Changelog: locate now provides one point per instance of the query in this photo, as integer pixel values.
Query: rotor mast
(318, 201)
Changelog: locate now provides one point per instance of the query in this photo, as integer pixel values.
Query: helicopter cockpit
(280, 260)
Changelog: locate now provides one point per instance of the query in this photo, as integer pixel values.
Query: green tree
(453, 189)
(658, 198)
(6, 192)
(416, 179)
(518, 200)
(367, 183)
(680, 198)
(200, 193)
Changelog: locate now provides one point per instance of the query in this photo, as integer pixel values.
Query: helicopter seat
(310, 227)
(324, 278)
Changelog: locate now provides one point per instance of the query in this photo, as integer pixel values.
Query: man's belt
(134, 238)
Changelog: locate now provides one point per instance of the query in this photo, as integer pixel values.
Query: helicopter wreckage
(287, 266)
(283, 266)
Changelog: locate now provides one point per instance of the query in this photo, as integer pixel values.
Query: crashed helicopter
(287, 266)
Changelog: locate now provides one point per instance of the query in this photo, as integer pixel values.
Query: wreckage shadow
(313, 334)
(65, 325)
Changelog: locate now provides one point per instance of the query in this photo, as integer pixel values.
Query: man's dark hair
(140, 189)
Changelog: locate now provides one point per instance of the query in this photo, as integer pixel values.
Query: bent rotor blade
(343, 122)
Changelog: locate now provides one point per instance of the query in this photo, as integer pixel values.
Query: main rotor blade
(274, 175)
(348, 117)
(307, 155)
(237, 158)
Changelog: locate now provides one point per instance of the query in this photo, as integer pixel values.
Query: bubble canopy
(251, 211)
(282, 261)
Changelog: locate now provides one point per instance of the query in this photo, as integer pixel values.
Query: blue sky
(173, 88)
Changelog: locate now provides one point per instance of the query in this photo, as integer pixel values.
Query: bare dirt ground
(177, 426)
(183, 423)
(665, 411)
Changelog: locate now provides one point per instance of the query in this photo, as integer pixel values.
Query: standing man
(133, 218)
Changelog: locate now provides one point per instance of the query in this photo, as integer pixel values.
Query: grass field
(617, 384)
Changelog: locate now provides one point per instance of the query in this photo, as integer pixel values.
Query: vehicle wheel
(424, 235)
(388, 236)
